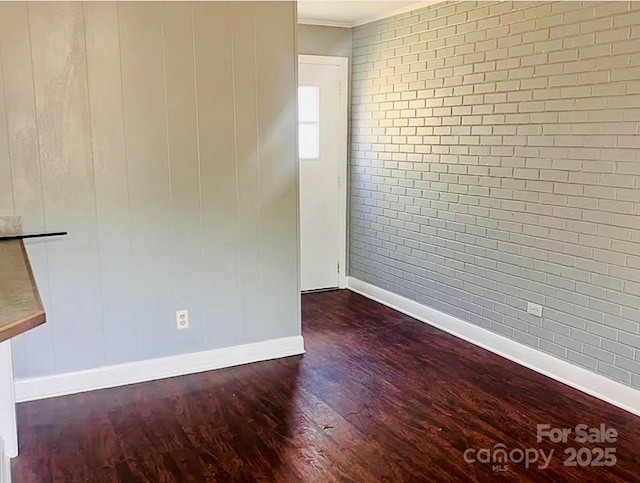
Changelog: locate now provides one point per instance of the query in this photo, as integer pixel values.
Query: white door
(322, 142)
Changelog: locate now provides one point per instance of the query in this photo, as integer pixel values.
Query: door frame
(343, 94)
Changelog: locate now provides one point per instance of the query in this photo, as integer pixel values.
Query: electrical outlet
(534, 309)
(182, 319)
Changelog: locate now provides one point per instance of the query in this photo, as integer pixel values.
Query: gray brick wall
(495, 161)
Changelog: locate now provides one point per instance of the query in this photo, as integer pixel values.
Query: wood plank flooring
(378, 397)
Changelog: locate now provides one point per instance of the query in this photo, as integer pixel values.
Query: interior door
(319, 135)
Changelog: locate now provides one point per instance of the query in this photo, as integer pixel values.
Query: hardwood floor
(377, 397)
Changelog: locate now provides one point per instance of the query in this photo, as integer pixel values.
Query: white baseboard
(134, 372)
(613, 392)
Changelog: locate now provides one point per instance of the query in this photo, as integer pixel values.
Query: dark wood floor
(377, 397)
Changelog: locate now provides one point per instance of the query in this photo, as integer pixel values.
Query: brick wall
(495, 161)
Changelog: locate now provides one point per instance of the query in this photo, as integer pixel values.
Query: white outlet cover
(534, 309)
(182, 319)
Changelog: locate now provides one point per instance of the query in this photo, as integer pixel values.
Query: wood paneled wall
(162, 137)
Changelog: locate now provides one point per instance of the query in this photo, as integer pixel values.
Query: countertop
(20, 304)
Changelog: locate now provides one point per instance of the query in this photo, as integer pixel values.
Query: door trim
(343, 64)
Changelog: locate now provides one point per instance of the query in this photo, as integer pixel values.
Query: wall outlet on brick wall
(534, 309)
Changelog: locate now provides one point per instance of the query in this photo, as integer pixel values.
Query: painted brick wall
(495, 161)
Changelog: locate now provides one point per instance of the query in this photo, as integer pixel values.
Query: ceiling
(350, 14)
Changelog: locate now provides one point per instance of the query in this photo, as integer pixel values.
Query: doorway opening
(322, 131)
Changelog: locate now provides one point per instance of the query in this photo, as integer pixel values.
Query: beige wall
(162, 137)
(496, 161)
(321, 40)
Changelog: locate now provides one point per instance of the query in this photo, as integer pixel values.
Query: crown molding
(375, 18)
(398, 11)
(325, 23)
